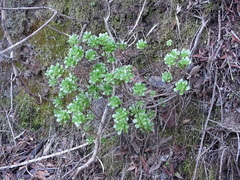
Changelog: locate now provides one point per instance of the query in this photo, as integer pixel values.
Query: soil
(195, 136)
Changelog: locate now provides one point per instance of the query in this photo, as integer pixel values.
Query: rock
(156, 81)
(99, 106)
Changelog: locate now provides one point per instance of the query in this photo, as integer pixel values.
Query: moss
(187, 167)
(211, 8)
(50, 45)
(111, 164)
(30, 113)
(188, 137)
(25, 108)
(5, 102)
(92, 11)
(43, 114)
(205, 173)
(1, 33)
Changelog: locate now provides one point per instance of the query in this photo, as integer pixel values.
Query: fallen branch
(40, 28)
(9, 39)
(43, 157)
(31, 35)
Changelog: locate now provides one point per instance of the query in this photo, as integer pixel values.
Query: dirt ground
(195, 136)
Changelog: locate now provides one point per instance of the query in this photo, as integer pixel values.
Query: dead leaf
(155, 167)
(198, 55)
(194, 70)
(171, 169)
(145, 166)
(235, 66)
(131, 168)
(177, 174)
(223, 57)
(169, 117)
(185, 121)
(49, 164)
(8, 176)
(41, 174)
(147, 150)
(196, 83)
(203, 59)
(234, 36)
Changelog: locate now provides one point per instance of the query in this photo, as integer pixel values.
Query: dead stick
(35, 32)
(96, 146)
(43, 157)
(198, 35)
(37, 8)
(205, 129)
(7, 35)
(106, 19)
(139, 16)
(31, 35)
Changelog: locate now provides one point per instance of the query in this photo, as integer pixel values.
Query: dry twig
(31, 35)
(96, 146)
(150, 31)
(221, 163)
(200, 153)
(139, 16)
(40, 28)
(162, 102)
(6, 33)
(43, 157)
(10, 127)
(198, 35)
(106, 19)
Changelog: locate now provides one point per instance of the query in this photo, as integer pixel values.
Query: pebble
(156, 81)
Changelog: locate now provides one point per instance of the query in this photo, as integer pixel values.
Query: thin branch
(10, 127)
(7, 35)
(238, 149)
(31, 35)
(35, 32)
(138, 18)
(103, 170)
(9, 39)
(198, 35)
(219, 26)
(48, 8)
(82, 31)
(27, 8)
(11, 108)
(221, 163)
(96, 146)
(106, 19)
(73, 168)
(11, 93)
(150, 31)
(60, 32)
(43, 157)
(162, 102)
(205, 129)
